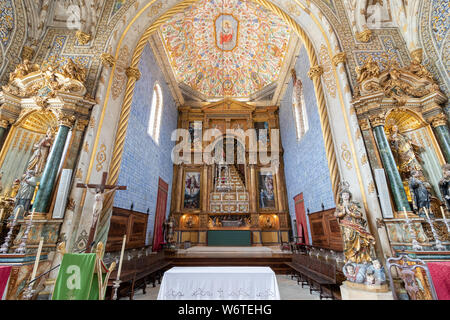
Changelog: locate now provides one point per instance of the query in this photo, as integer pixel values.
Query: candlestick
(17, 214)
(38, 257)
(443, 213)
(437, 242)
(426, 212)
(415, 244)
(445, 219)
(406, 215)
(121, 256)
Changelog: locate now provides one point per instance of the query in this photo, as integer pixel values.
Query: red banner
(440, 273)
(4, 276)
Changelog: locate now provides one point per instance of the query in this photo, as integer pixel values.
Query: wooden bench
(319, 275)
(137, 272)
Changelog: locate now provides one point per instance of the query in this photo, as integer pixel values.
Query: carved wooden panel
(325, 231)
(132, 223)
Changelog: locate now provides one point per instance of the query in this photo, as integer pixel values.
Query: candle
(17, 213)
(121, 256)
(32, 214)
(426, 212)
(38, 257)
(1, 213)
(406, 215)
(443, 213)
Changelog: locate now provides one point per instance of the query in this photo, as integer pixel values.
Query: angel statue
(358, 242)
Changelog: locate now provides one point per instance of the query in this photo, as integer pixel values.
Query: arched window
(299, 108)
(154, 124)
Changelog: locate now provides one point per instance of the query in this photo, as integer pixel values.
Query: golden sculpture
(406, 154)
(364, 36)
(419, 70)
(23, 69)
(369, 69)
(73, 71)
(358, 242)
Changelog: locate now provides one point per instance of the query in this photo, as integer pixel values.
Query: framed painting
(266, 190)
(192, 190)
(226, 31)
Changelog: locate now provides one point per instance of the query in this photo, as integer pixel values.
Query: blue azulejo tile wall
(305, 162)
(143, 160)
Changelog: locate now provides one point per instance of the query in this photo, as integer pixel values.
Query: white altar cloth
(219, 283)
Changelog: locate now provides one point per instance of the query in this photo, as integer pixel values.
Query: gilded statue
(14, 188)
(23, 69)
(419, 70)
(406, 154)
(358, 242)
(73, 71)
(41, 150)
(369, 69)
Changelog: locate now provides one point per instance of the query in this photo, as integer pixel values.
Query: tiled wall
(143, 160)
(305, 162)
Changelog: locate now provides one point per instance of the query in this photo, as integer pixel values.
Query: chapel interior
(308, 136)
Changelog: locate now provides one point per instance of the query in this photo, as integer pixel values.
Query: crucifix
(99, 195)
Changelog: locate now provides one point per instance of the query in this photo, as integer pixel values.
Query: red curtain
(300, 214)
(160, 214)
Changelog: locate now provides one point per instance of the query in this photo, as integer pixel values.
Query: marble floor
(289, 290)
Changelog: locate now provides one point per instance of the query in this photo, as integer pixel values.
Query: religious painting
(266, 189)
(262, 135)
(195, 132)
(226, 32)
(192, 180)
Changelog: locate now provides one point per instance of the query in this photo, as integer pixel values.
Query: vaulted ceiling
(225, 48)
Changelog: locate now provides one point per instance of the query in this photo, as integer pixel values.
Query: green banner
(76, 279)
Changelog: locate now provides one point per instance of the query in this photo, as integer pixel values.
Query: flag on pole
(77, 279)
(5, 271)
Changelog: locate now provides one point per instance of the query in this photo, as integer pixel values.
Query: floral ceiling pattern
(226, 47)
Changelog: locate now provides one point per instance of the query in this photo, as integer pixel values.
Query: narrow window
(299, 108)
(154, 124)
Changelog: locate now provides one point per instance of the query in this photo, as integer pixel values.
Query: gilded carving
(86, 147)
(79, 174)
(417, 55)
(132, 72)
(4, 124)
(108, 60)
(364, 36)
(71, 204)
(439, 120)
(72, 71)
(101, 157)
(119, 75)
(315, 71)
(82, 37)
(65, 119)
(371, 187)
(328, 76)
(27, 53)
(364, 159)
(368, 70)
(346, 155)
(339, 58)
(377, 119)
(82, 124)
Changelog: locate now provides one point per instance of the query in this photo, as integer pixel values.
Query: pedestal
(358, 291)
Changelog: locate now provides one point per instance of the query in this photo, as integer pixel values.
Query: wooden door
(300, 214)
(160, 215)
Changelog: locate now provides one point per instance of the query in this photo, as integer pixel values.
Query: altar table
(219, 283)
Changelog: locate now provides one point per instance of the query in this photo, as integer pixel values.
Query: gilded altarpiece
(226, 186)
(405, 130)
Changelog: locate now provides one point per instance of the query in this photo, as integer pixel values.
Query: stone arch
(340, 127)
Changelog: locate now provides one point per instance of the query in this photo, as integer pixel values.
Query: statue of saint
(23, 69)
(444, 185)
(73, 71)
(169, 230)
(420, 195)
(41, 151)
(358, 242)
(369, 69)
(406, 154)
(26, 190)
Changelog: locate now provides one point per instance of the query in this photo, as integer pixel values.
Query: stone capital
(82, 124)
(315, 71)
(438, 120)
(377, 120)
(66, 119)
(364, 124)
(108, 60)
(339, 58)
(132, 72)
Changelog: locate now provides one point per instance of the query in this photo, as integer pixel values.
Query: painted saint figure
(226, 35)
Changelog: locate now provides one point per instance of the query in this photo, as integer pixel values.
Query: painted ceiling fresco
(226, 47)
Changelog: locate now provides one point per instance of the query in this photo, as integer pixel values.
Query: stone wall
(143, 160)
(305, 162)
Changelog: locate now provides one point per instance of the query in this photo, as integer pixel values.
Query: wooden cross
(101, 187)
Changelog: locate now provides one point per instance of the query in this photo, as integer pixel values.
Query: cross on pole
(99, 192)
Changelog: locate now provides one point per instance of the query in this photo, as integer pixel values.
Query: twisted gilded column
(389, 164)
(440, 128)
(47, 182)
